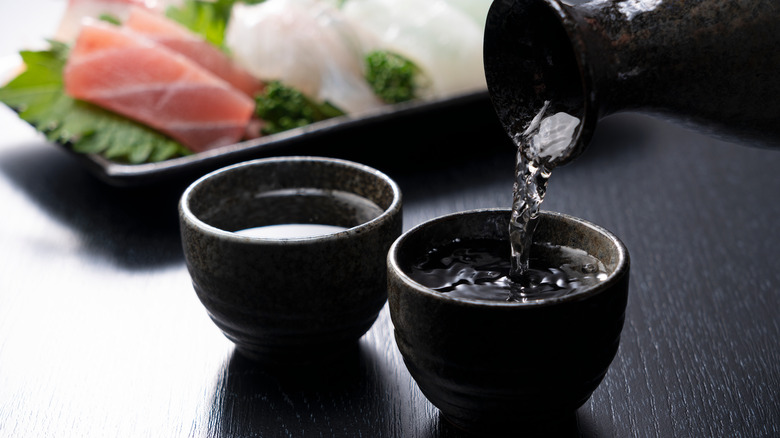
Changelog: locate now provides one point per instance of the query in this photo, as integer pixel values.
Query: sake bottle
(713, 65)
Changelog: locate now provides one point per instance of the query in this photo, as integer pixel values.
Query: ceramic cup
(498, 366)
(291, 300)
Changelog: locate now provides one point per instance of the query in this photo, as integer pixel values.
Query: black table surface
(101, 333)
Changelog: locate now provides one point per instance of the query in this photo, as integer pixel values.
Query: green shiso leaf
(108, 18)
(206, 18)
(38, 95)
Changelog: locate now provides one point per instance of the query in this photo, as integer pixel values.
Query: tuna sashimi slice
(126, 73)
(180, 39)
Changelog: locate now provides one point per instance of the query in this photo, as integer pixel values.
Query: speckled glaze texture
(297, 301)
(709, 64)
(499, 367)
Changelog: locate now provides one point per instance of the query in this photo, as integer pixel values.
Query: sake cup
(286, 299)
(502, 367)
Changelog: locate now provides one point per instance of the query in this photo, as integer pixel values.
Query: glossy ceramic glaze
(290, 301)
(709, 64)
(507, 367)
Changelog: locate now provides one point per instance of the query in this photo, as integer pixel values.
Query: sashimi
(444, 38)
(124, 72)
(306, 44)
(181, 40)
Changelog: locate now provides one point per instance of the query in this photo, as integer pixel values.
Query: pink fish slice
(176, 37)
(129, 74)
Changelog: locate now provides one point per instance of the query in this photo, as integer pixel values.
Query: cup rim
(621, 268)
(186, 213)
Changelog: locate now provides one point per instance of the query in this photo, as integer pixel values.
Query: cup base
(300, 358)
(343, 371)
(558, 425)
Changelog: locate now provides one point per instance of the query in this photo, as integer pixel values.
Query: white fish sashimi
(442, 38)
(306, 44)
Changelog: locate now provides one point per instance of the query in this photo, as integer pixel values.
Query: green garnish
(283, 108)
(206, 18)
(39, 97)
(393, 77)
(108, 18)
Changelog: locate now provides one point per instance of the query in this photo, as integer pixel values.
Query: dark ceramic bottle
(710, 64)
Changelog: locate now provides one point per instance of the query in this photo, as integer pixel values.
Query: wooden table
(101, 333)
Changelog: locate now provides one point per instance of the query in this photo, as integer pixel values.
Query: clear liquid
(292, 213)
(290, 231)
(550, 135)
(480, 268)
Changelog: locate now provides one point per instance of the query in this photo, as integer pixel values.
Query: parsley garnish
(282, 107)
(393, 77)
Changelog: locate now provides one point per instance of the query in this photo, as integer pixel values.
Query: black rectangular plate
(379, 136)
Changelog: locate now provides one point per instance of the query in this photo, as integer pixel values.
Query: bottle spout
(535, 69)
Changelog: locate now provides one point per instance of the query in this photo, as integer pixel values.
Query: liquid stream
(549, 136)
(488, 270)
